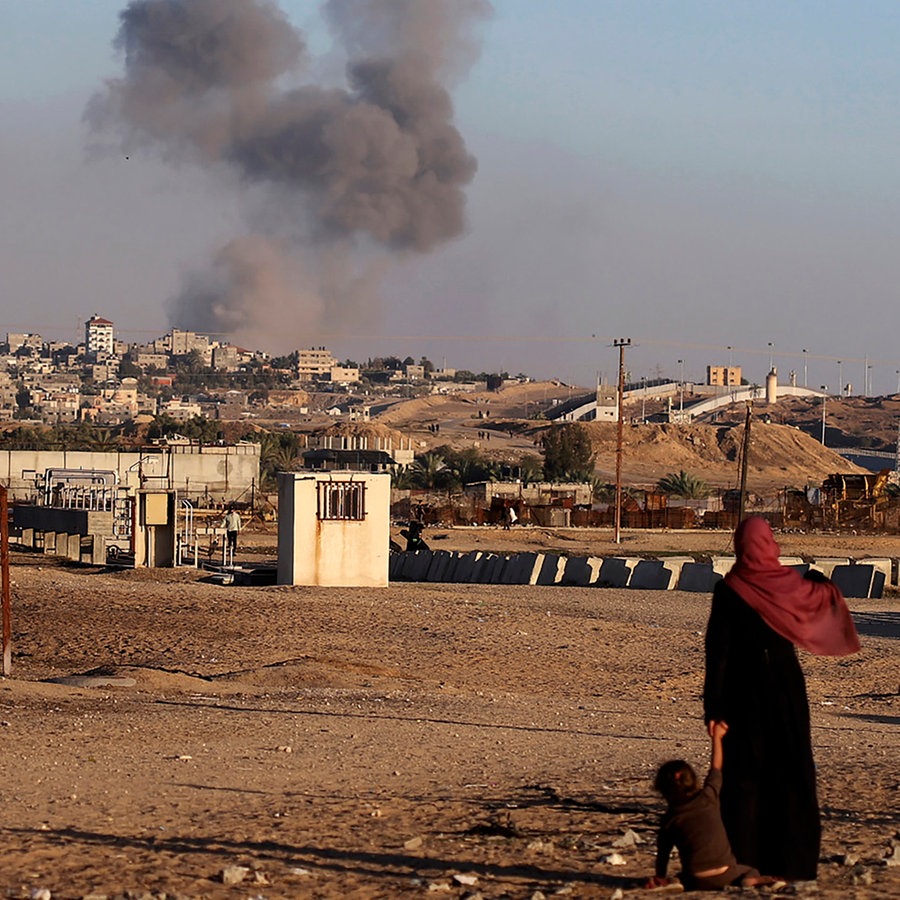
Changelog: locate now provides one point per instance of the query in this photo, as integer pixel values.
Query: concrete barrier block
(417, 567)
(675, 564)
(438, 565)
(464, 571)
(855, 581)
(615, 572)
(498, 568)
(826, 564)
(484, 568)
(576, 572)
(722, 564)
(698, 578)
(73, 547)
(551, 570)
(650, 575)
(521, 567)
(883, 565)
(791, 561)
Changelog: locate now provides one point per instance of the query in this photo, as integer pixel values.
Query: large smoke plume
(338, 178)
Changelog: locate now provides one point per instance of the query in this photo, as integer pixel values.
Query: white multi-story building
(98, 336)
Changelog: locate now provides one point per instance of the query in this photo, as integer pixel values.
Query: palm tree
(428, 469)
(683, 484)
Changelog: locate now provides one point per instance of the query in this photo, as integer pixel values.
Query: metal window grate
(342, 500)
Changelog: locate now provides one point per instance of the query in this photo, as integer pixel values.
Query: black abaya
(755, 684)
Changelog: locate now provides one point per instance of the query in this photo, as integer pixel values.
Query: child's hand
(718, 729)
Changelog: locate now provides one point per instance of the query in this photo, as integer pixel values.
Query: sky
(717, 181)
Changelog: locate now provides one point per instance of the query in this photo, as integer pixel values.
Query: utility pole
(621, 343)
(824, 401)
(804, 368)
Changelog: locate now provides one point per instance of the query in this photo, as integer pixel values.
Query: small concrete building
(333, 528)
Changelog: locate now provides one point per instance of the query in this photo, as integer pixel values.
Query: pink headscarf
(811, 614)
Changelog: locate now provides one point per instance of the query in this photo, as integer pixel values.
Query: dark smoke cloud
(373, 163)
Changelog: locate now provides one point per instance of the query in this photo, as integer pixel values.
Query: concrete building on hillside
(723, 376)
(314, 364)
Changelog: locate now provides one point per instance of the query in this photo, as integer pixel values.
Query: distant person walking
(754, 684)
(232, 524)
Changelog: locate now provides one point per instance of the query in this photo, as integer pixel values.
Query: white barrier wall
(333, 529)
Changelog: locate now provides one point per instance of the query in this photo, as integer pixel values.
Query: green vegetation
(568, 455)
(683, 484)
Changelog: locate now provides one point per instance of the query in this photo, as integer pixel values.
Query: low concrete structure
(334, 529)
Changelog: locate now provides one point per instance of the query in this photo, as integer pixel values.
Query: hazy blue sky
(691, 175)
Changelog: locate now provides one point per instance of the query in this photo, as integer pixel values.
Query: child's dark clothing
(695, 828)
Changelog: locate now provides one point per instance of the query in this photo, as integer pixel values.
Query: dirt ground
(467, 741)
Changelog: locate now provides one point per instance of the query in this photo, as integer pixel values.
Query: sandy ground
(416, 740)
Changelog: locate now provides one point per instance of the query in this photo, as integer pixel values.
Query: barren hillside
(498, 424)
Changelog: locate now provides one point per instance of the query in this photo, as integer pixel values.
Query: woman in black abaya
(754, 683)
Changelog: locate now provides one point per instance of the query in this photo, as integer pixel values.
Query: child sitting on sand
(693, 824)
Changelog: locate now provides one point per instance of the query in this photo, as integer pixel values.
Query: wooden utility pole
(621, 343)
(745, 455)
(4, 571)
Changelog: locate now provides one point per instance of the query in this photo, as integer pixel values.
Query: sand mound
(780, 455)
(309, 672)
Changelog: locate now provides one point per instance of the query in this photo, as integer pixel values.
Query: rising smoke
(339, 180)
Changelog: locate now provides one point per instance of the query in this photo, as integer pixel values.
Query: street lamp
(868, 379)
(804, 368)
(840, 380)
(681, 387)
(730, 356)
(824, 400)
(771, 355)
(897, 373)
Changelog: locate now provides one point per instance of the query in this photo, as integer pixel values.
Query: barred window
(342, 500)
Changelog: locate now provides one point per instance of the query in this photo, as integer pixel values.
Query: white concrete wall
(332, 552)
(227, 472)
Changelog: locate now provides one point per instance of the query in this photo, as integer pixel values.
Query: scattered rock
(629, 839)
(234, 874)
(849, 859)
(613, 859)
(413, 843)
(467, 880)
(617, 894)
(439, 887)
(40, 894)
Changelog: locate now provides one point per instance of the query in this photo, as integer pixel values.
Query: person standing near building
(232, 524)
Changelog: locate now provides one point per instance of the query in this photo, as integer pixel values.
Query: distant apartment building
(314, 364)
(226, 358)
(180, 343)
(723, 376)
(150, 359)
(344, 375)
(16, 340)
(99, 337)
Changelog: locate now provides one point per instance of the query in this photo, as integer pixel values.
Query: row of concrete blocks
(865, 578)
(70, 546)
